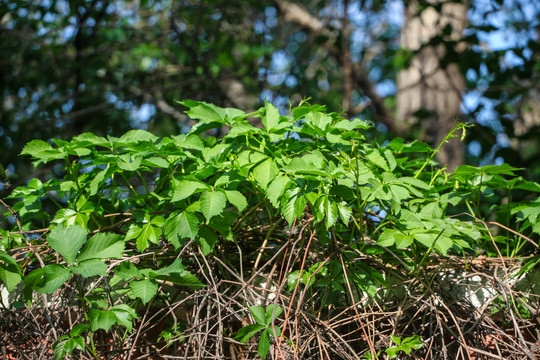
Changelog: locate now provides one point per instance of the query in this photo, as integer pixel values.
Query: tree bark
(433, 82)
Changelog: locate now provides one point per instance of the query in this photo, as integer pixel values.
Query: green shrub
(333, 219)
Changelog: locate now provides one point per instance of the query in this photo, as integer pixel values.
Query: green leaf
(207, 239)
(431, 210)
(188, 141)
(103, 246)
(242, 128)
(185, 278)
(53, 276)
(10, 271)
(101, 319)
(271, 315)
(59, 350)
(42, 150)
(247, 332)
(387, 238)
(443, 244)
(318, 121)
(144, 289)
(156, 162)
(214, 154)
(304, 166)
(76, 342)
(127, 271)
(89, 268)
(276, 189)
(67, 241)
(124, 315)
(129, 163)
(414, 182)
(99, 180)
(135, 136)
(175, 267)
(426, 238)
(328, 209)
(271, 118)
(291, 204)
(403, 241)
(503, 169)
(91, 139)
(237, 199)
(123, 318)
(376, 158)
(208, 113)
(78, 330)
(351, 124)
(390, 158)
(265, 172)
(264, 344)
(392, 352)
(399, 193)
(345, 212)
(181, 226)
(149, 234)
(258, 314)
(212, 203)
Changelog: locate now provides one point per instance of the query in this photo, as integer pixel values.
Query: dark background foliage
(69, 67)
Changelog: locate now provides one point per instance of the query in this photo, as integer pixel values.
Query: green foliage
(264, 321)
(129, 207)
(406, 345)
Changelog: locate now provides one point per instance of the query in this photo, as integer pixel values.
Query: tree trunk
(429, 90)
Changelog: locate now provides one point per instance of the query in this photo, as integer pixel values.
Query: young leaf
(42, 150)
(330, 211)
(352, 124)
(67, 241)
(127, 270)
(78, 330)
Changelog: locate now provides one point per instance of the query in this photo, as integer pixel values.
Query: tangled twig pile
(466, 309)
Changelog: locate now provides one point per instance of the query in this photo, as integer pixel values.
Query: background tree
(430, 88)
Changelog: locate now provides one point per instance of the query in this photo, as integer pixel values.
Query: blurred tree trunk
(429, 90)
